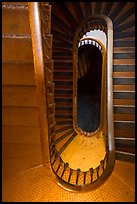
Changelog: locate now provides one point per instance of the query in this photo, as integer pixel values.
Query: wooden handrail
(109, 80)
(110, 123)
(35, 26)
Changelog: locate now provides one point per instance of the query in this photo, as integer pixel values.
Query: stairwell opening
(89, 81)
(89, 88)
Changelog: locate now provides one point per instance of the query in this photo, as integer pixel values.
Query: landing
(85, 152)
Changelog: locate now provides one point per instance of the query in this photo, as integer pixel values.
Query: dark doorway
(89, 87)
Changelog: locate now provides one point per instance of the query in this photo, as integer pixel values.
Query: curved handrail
(35, 26)
(110, 155)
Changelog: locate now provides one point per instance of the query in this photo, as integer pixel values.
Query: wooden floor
(36, 185)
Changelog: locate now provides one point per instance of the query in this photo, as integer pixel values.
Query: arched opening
(89, 87)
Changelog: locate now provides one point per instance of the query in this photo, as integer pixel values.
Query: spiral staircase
(59, 22)
(65, 18)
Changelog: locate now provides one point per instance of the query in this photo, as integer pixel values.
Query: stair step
(70, 87)
(60, 40)
(61, 49)
(61, 129)
(18, 74)
(124, 81)
(66, 58)
(116, 9)
(60, 24)
(20, 116)
(64, 63)
(124, 133)
(68, 100)
(56, 136)
(64, 104)
(59, 146)
(63, 83)
(125, 156)
(123, 74)
(124, 49)
(15, 24)
(124, 95)
(125, 125)
(14, 5)
(124, 43)
(62, 54)
(126, 55)
(63, 69)
(60, 91)
(124, 88)
(58, 139)
(68, 141)
(62, 117)
(63, 74)
(63, 112)
(122, 35)
(19, 96)
(124, 109)
(127, 13)
(17, 48)
(62, 36)
(124, 117)
(126, 150)
(123, 61)
(62, 78)
(61, 46)
(65, 96)
(129, 27)
(124, 102)
(67, 122)
(63, 108)
(124, 68)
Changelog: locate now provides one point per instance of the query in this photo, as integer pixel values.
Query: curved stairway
(65, 19)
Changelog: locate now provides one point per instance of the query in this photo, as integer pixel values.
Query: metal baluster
(65, 167)
(52, 146)
(78, 172)
(60, 162)
(97, 169)
(102, 164)
(106, 157)
(71, 170)
(56, 156)
(91, 174)
(52, 152)
(85, 173)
